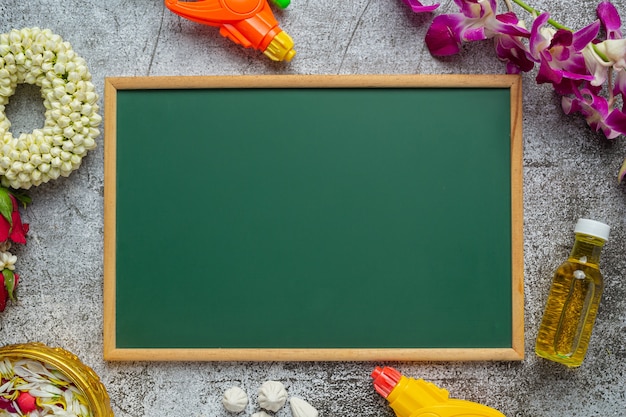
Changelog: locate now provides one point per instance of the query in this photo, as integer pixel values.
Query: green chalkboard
(313, 217)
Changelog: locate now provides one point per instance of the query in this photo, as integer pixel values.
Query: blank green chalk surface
(313, 218)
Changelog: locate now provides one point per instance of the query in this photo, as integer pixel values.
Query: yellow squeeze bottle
(574, 298)
(410, 397)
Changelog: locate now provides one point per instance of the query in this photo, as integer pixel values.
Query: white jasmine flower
(7, 260)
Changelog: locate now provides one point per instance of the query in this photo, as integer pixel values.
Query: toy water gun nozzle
(385, 380)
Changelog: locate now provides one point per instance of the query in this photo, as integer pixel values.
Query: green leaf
(22, 198)
(9, 283)
(6, 205)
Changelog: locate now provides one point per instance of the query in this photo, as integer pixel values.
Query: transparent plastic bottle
(574, 298)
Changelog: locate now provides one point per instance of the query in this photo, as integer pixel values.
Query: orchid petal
(508, 17)
(547, 75)
(418, 7)
(608, 15)
(576, 75)
(442, 37)
(562, 37)
(585, 35)
(473, 9)
(615, 51)
(474, 34)
(538, 41)
(510, 25)
(596, 65)
(570, 105)
(620, 83)
(513, 52)
(616, 121)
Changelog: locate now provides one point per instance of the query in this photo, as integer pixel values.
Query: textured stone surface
(569, 172)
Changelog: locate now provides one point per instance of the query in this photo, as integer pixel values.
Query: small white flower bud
(36, 175)
(91, 97)
(23, 178)
(10, 175)
(59, 68)
(5, 162)
(76, 160)
(35, 159)
(20, 58)
(68, 132)
(44, 148)
(89, 143)
(54, 173)
(80, 150)
(68, 145)
(64, 122)
(65, 101)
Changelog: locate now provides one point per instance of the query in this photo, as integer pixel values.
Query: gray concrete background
(569, 172)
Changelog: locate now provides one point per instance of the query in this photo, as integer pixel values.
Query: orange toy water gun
(410, 397)
(249, 23)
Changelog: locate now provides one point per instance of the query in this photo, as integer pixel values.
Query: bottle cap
(592, 228)
(385, 380)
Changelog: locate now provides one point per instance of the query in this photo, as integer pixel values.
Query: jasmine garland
(39, 57)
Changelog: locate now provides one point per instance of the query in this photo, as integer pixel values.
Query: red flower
(14, 229)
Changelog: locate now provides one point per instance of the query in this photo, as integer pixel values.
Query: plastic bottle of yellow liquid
(410, 397)
(574, 298)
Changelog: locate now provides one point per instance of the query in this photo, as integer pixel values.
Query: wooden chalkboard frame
(113, 352)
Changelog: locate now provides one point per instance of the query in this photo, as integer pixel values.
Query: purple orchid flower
(476, 21)
(597, 112)
(513, 52)
(418, 7)
(511, 49)
(610, 53)
(603, 114)
(560, 52)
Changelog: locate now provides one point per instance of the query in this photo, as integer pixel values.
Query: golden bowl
(69, 365)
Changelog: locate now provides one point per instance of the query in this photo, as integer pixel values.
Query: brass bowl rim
(71, 367)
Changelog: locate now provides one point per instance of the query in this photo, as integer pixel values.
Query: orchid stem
(537, 13)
